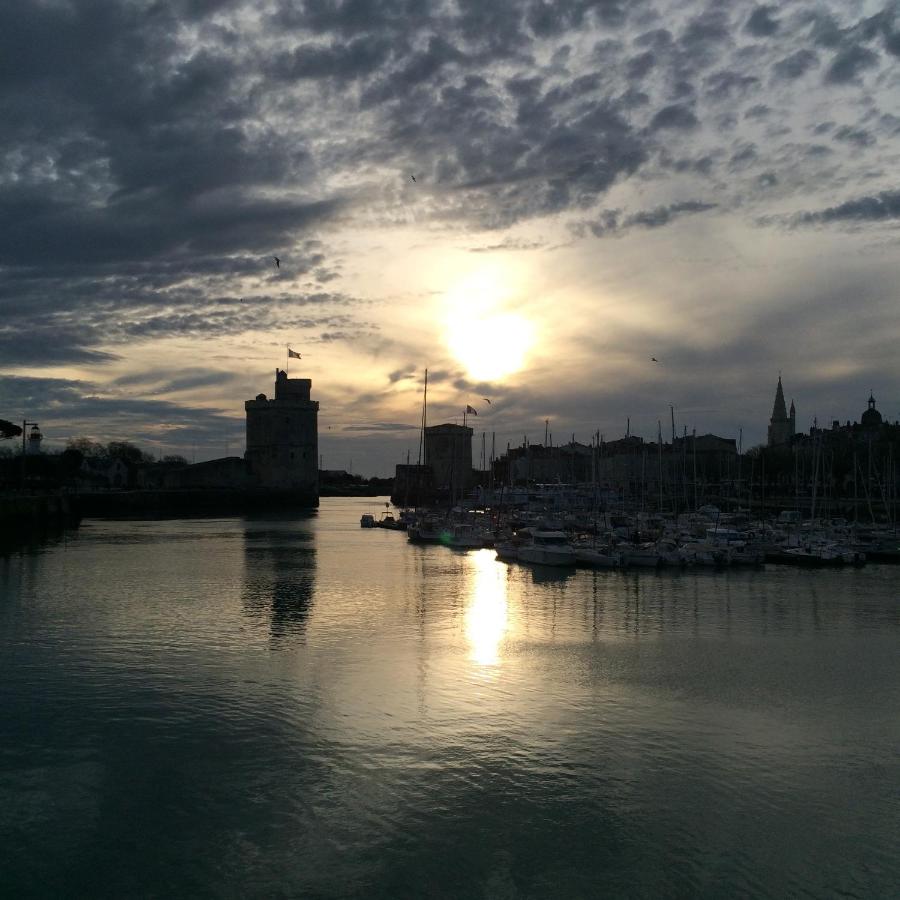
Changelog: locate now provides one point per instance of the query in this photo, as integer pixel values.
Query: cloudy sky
(596, 183)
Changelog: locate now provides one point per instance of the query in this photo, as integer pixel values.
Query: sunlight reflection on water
(488, 610)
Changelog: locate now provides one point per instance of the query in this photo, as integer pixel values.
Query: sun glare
(490, 342)
(486, 616)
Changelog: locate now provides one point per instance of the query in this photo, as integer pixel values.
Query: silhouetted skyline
(537, 202)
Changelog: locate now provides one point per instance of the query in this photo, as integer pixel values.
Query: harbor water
(297, 707)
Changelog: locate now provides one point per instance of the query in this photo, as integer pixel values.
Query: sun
(491, 347)
(490, 342)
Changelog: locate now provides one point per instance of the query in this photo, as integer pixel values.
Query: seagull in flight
(277, 262)
(414, 179)
(653, 359)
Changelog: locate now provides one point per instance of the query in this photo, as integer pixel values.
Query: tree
(87, 447)
(127, 452)
(8, 430)
(70, 463)
(174, 460)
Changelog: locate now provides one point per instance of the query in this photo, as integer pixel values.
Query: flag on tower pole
(293, 354)
(470, 410)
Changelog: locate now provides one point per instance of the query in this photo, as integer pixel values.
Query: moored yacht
(548, 548)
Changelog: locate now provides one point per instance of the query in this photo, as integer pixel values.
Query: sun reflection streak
(487, 615)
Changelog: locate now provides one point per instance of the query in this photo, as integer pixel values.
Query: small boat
(643, 556)
(367, 520)
(427, 531)
(388, 521)
(808, 557)
(508, 551)
(596, 557)
(463, 536)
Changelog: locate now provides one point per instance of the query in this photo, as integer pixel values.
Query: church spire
(781, 428)
(779, 410)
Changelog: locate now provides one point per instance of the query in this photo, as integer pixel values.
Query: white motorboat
(548, 548)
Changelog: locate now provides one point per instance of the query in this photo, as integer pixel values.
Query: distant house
(100, 473)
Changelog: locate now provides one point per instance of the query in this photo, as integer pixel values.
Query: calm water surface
(297, 707)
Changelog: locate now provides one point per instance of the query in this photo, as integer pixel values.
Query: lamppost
(24, 435)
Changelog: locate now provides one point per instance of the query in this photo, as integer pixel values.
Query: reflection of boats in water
(551, 574)
(548, 548)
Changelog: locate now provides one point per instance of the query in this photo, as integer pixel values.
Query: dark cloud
(705, 35)
(341, 61)
(401, 374)
(640, 65)
(726, 84)
(676, 116)
(45, 345)
(380, 426)
(758, 111)
(744, 156)
(796, 64)
(850, 63)
(509, 243)
(68, 409)
(859, 137)
(760, 23)
(881, 207)
(611, 221)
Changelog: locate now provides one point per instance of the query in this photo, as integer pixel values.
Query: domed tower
(871, 418)
(33, 445)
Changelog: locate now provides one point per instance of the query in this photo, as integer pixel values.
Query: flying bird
(277, 262)
(653, 359)
(414, 179)
(486, 400)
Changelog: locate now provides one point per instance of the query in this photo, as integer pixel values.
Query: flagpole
(287, 365)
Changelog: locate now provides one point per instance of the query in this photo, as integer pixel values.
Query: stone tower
(283, 439)
(781, 425)
(448, 453)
